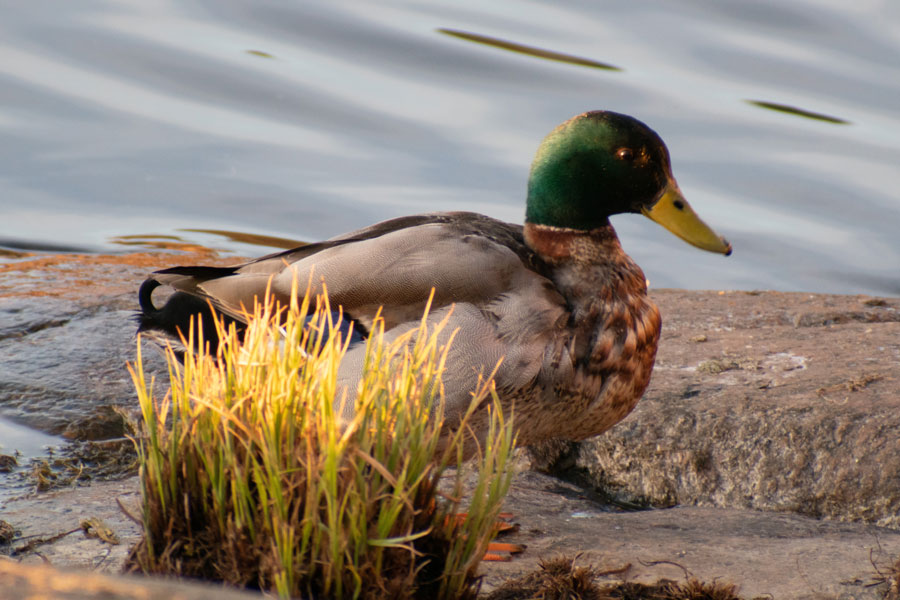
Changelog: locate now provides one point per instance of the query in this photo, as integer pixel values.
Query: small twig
(103, 559)
(619, 571)
(687, 574)
(125, 512)
(28, 537)
(804, 575)
(30, 546)
(881, 576)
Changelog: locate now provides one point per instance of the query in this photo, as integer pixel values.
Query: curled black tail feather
(145, 296)
(173, 319)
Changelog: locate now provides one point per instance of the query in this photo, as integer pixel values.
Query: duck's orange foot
(504, 525)
(498, 551)
(502, 552)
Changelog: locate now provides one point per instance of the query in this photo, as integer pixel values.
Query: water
(25, 442)
(124, 120)
(22, 443)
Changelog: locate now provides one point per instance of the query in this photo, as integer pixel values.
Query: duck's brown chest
(605, 370)
(618, 368)
(598, 370)
(606, 384)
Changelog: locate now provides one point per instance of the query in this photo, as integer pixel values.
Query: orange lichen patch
(138, 259)
(74, 275)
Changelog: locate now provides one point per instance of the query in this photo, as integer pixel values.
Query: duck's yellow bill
(674, 213)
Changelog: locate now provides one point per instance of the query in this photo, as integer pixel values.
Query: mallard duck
(557, 299)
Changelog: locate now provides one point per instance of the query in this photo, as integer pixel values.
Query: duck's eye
(626, 154)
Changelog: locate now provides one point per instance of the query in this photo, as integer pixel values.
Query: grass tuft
(252, 475)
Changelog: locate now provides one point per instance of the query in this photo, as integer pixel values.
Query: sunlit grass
(250, 475)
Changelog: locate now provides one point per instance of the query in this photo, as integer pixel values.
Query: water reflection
(159, 242)
(14, 247)
(799, 112)
(259, 53)
(529, 50)
(253, 238)
(174, 242)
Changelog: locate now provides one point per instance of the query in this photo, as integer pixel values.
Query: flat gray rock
(766, 554)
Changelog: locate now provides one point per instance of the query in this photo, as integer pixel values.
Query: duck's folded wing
(391, 267)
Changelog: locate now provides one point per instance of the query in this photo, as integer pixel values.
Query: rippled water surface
(121, 121)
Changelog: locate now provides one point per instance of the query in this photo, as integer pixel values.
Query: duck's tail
(173, 320)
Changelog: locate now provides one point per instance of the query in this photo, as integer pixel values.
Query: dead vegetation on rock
(561, 579)
(853, 384)
(8, 462)
(7, 533)
(728, 363)
(79, 463)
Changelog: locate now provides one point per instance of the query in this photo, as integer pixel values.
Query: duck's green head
(604, 163)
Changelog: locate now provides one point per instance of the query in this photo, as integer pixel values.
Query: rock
(771, 401)
(43, 517)
(40, 581)
(768, 554)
